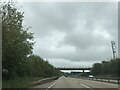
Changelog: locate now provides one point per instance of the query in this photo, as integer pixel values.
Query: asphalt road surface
(68, 82)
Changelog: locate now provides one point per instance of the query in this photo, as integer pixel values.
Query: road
(68, 82)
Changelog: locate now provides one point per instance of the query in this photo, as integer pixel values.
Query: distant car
(90, 76)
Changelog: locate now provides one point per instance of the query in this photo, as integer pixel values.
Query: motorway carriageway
(80, 84)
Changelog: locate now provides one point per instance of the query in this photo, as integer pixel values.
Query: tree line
(109, 67)
(18, 59)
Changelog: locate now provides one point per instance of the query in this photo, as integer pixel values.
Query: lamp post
(113, 49)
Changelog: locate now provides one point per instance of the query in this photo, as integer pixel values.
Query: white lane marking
(52, 84)
(86, 86)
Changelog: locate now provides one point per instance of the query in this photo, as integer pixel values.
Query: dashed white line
(86, 86)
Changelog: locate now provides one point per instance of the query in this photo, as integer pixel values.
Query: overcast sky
(72, 34)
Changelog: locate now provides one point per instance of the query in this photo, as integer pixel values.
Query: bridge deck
(74, 68)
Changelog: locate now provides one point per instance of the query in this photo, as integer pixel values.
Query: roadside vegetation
(20, 66)
(109, 68)
(20, 82)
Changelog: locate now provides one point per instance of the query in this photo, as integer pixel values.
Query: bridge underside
(74, 68)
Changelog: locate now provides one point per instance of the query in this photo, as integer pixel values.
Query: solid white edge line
(53, 84)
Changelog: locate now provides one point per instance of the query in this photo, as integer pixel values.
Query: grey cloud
(58, 62)
(75, 32)
(45, 15)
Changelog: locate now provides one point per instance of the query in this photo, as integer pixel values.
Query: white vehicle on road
(90, 76)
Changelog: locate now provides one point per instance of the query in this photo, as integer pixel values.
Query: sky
(72, 34)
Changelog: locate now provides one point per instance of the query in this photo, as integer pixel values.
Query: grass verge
(19, 82)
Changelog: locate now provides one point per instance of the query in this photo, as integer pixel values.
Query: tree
(96, 69)
(107, 68)
(17, 57)
(114, 67)
(118, 66)
(16, 40)
(40, 68)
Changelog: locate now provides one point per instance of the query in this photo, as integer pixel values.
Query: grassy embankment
(20, 82)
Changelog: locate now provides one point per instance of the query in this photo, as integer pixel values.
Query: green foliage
(19, 82)
(17, 57)
(107, 68)
(16, 43)
(39, 67)
(96, 68)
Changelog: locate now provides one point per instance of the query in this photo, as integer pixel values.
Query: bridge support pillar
(83, 70)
